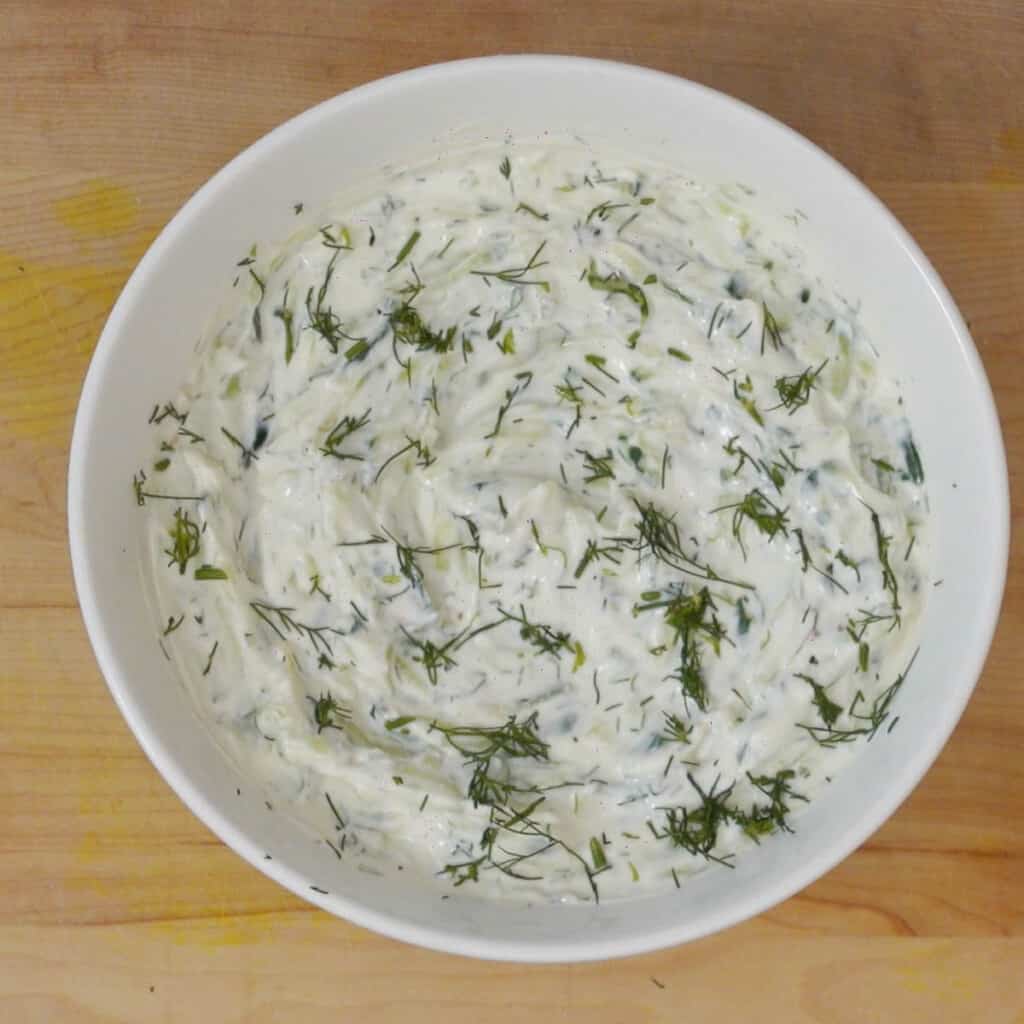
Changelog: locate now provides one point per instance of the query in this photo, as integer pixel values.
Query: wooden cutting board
(115, 903)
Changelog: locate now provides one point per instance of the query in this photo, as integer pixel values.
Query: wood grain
(115, 903)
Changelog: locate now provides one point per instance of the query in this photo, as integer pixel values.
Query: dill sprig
(692, 618)
(160, 413)
(658, 535)
(795, 391)
(866, 722)
(409, 328)
(184, 541)
(423, 455)
(571, 393)
(604, 210)
(828, 710)
(248, 454)
(281, 621)
(322, 318)
(594, 552)
(404, 553)
(770, 329)
(517, 822)
(686, 613)
(141, 494)
(434, 659)
(518, 275)
(340, 432)
(598, 467)
(696, 830)
(616, 284)
(763, 819)
(544, 638)
(743, 393)
(806, 562)
(479, 743)
(474, 546)
(328, 713)
(173, 624)
(775, 470)
(487, 749)
(524, 378)
(675, 730)
(856, 628)
(915, 468)
(766, 516)
(406, 556)
(889, 582)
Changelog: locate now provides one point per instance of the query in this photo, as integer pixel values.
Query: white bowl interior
(148, 342)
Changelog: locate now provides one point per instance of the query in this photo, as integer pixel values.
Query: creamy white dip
(538, 519)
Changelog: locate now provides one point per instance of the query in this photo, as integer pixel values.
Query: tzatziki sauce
(539, 520)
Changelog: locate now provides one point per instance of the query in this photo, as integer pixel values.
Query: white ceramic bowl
(148, 342)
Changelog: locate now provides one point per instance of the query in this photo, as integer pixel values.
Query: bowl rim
(590, 946)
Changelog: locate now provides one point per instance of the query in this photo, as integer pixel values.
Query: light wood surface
(115, 903)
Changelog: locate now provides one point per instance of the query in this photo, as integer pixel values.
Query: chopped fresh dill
(287, 317)
(511, 394)
(770, 329)
(594, 552)
(597, 467)
(209, 658)
(173, 624)
(543, 638)
(248, 455)
(434, 659)
(675, 730)
(408, 328)
(328, 713)
(759, 510)
(828, 710)
(866, 722)
(518, 275)
(340, 432)
(692, 618)
(658, 535)
(406, 249)
(257, 319)
(598, 362)
(423, 456)
(571, 393)
(184, 541)
(915, 470)
(322, 318)
(742, 394)
(795, 391)
(604, 210)
(281, 622)
(889, 582)
(526, 208)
